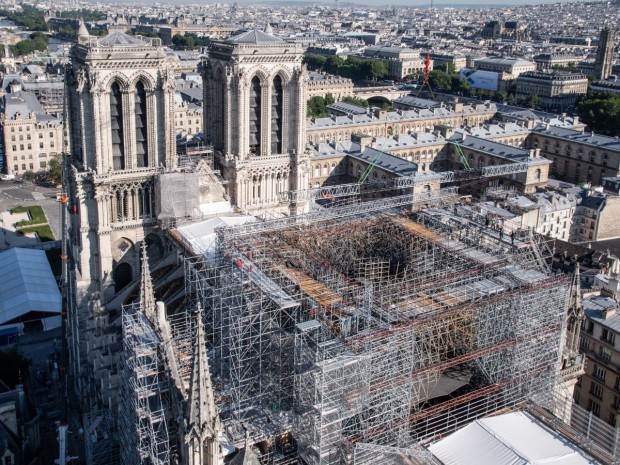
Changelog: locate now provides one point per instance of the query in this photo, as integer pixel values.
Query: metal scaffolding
(356, 329)
(143, 426)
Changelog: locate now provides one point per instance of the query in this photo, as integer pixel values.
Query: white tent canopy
(510, 439)
(28, 289)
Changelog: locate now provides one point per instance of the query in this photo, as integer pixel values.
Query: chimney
(609, 311)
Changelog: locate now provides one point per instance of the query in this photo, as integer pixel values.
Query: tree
(448, 68)
(440, 80)
(329, 99)
(54, 171)
(532, 100)
(373, 69)
(501, 96)
(184, 42)
(37, 41)
(356, 101)
(333, 64)
(601, 112)
(29, 17)
(314, 62)
(316, 107)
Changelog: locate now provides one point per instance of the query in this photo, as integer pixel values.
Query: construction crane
(459, 150)
(404, 182)
(364, 177)
(427, 70)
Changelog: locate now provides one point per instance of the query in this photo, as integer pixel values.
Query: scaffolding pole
(363, 325)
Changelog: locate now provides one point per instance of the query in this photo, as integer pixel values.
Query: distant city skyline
(377, 3)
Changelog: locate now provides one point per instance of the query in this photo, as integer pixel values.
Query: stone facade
(319, 85)
(381, 123)
(605, 53)
(122, 107)
(554, 88)
(257, 89)
(577, 156)
(31, 141)
(599, 389)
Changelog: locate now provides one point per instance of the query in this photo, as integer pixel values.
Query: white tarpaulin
(510, 439)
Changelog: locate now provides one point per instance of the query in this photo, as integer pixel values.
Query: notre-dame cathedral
(121, 98)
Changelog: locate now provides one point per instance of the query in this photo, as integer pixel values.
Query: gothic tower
(605, 53)
(255, 86)
(120, 93)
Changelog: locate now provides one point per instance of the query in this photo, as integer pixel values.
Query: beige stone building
(321, 84)
(578, 156)
(555, 89)
(31, 141)
(401, 61)
(31, 137)
(380, 123)
(188, 118)
(508, 66)
(256, 87)
(599, 389)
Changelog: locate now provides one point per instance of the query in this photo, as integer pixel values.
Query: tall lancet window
(255, 114)
(276, 115)
(116, 120)
(142, 146)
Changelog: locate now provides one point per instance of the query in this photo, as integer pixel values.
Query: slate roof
(589, 138)
(254, 36)
(594, 307)
(21, 102)
(494, 148)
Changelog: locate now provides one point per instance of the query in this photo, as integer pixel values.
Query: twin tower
(121, 94)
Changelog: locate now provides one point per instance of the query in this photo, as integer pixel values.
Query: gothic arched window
(142, 146)
(116, 124)
(255, 116)
(276, 115)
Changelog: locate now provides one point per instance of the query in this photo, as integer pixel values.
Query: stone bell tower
(120, 92)
(255, 112)
(121, 96)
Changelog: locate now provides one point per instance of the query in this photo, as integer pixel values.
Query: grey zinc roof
(118, 38)
(27, 284)
(494, 148)
(21, 102)
(254, 36)
(387, 162)
(598, 140)
(594, 307)
(416, 102)
(348, 108)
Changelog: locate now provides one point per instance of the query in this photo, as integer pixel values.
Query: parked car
(6, 177)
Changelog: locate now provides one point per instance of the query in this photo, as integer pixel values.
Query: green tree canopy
(354, 67)
(314, 62)
(30, 17)
(532, 100)
(37, 41)
(440, 80)
(317, 107)
(54, 171)
(601, 112)
(356, 101)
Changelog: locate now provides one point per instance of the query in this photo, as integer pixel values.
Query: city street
(13, 194)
